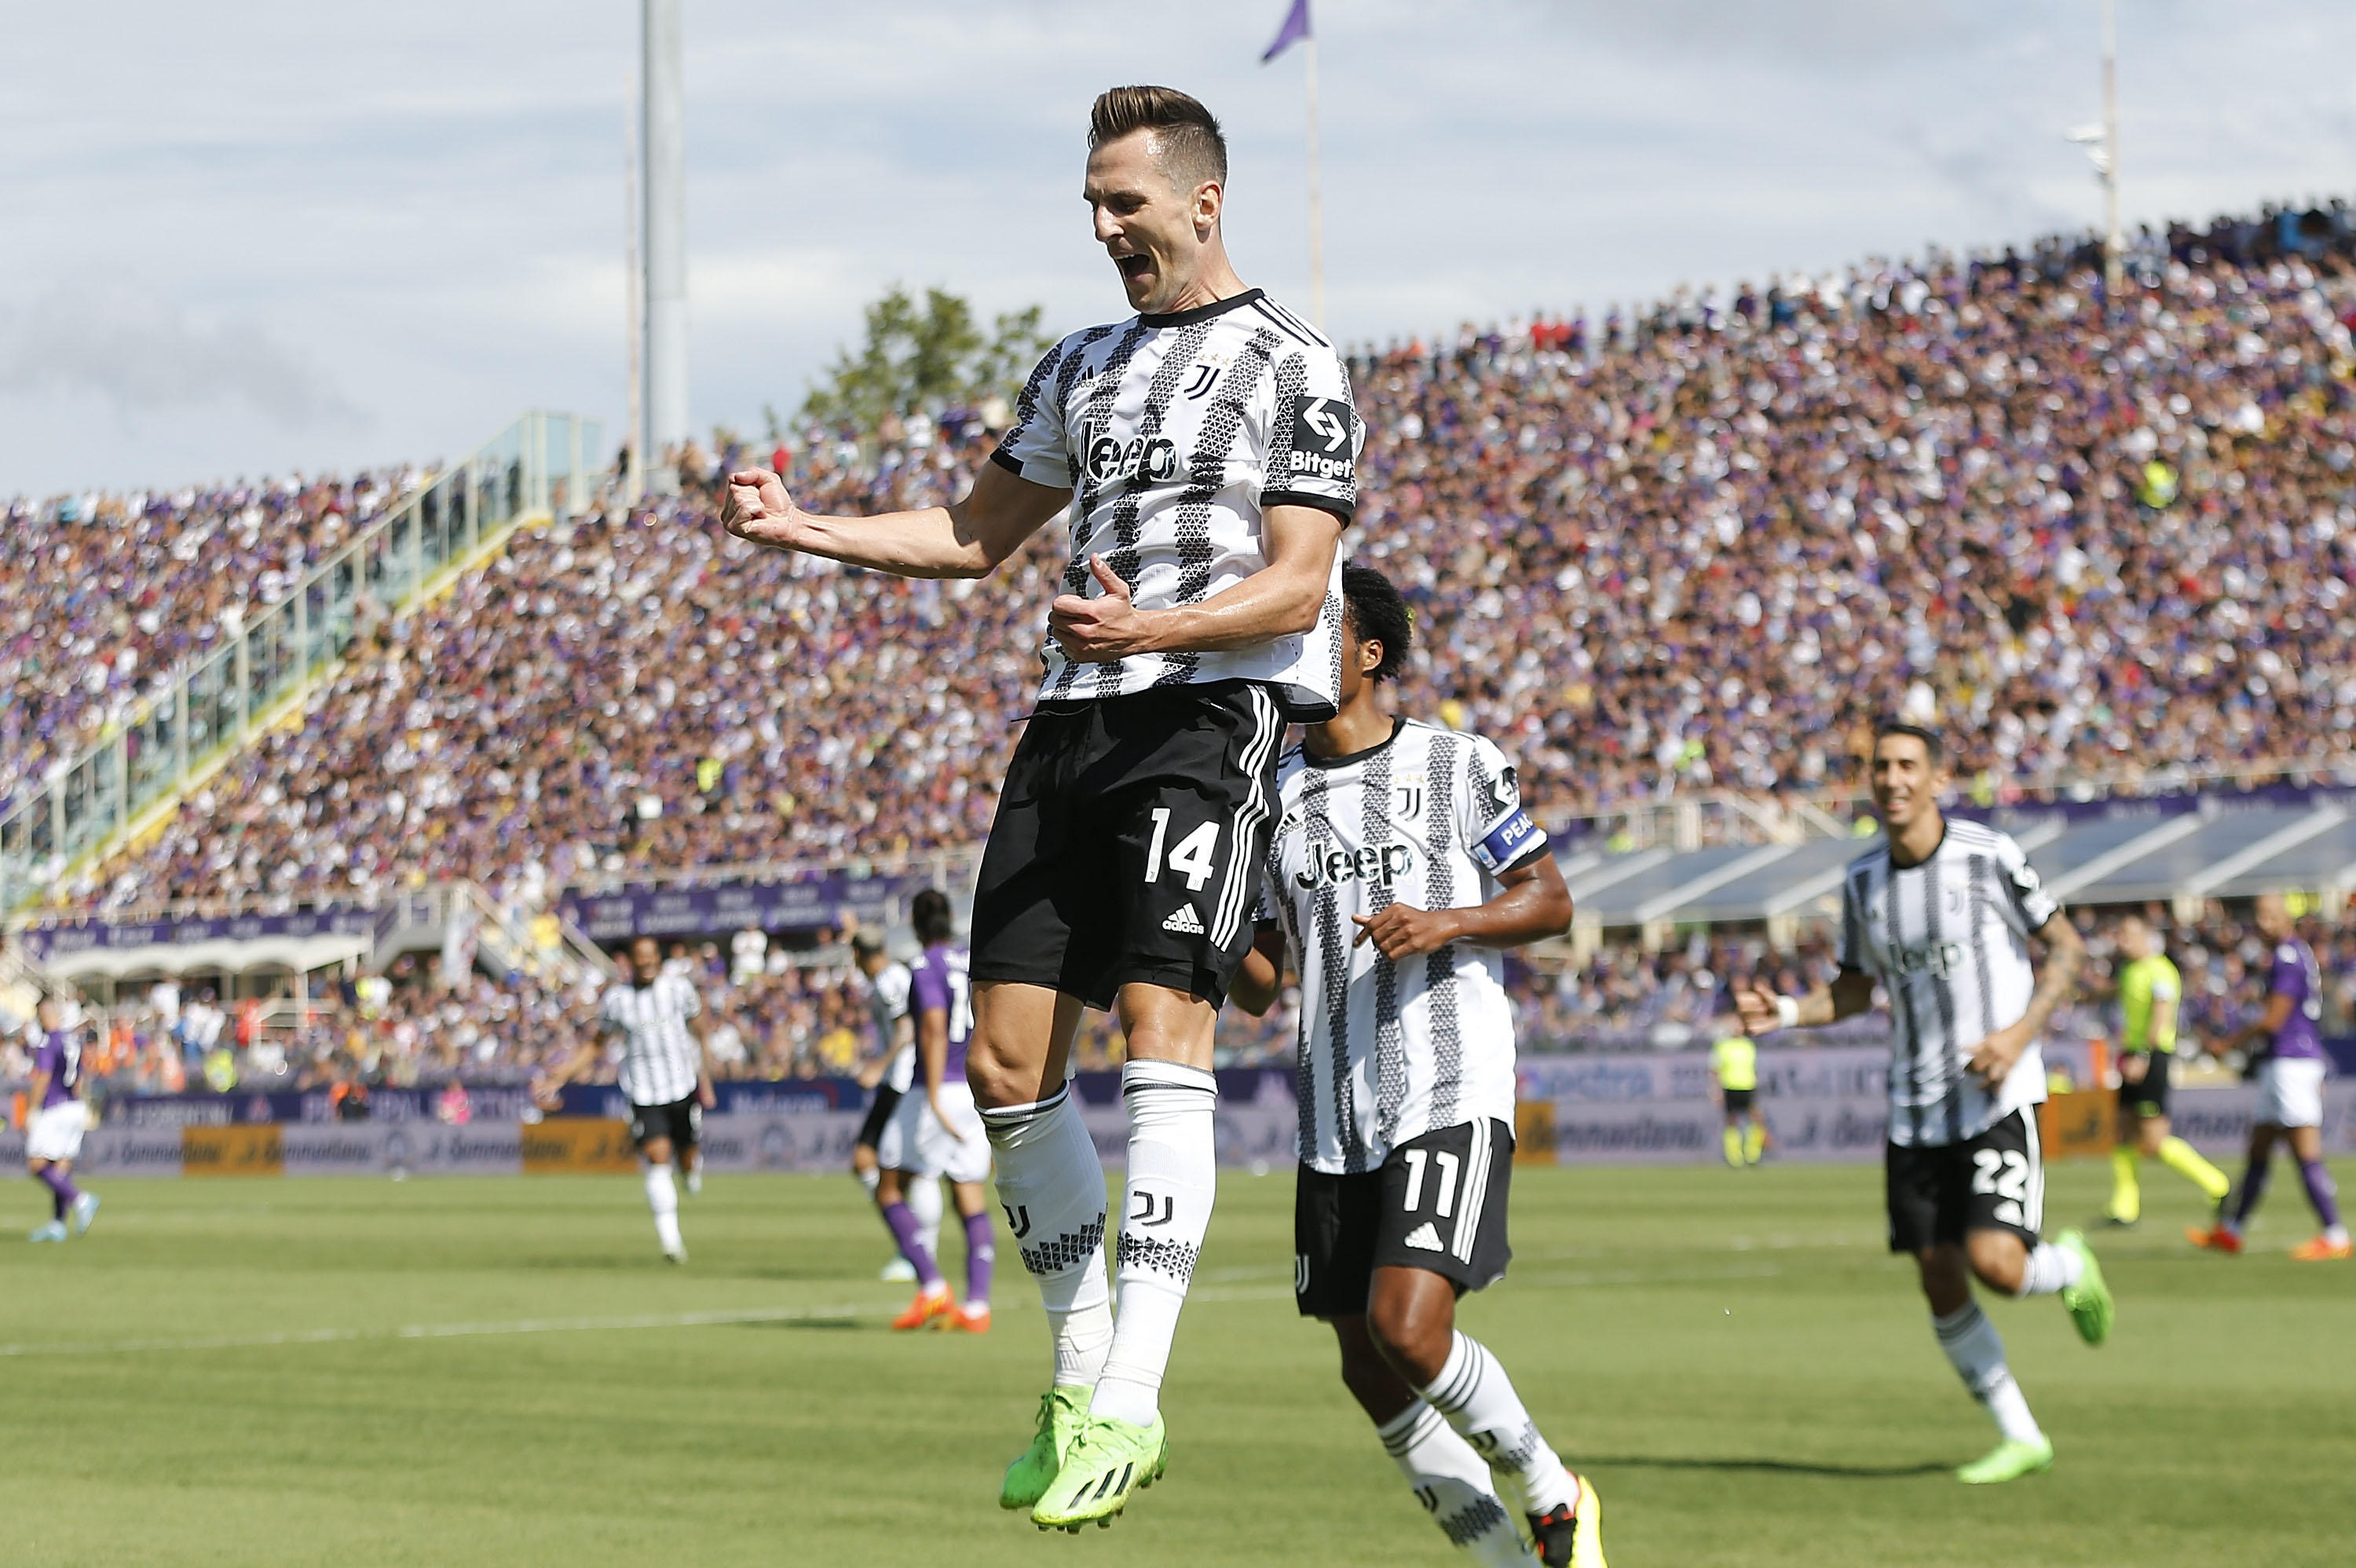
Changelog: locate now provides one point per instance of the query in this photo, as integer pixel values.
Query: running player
(938, 1134)
(1734, 1070)
(886, 981)
(2150, 993)
(1939, 912)
(1403, 863)
(53, 1132)
(1206, 450)
(665, 1074)
(2288, 1053)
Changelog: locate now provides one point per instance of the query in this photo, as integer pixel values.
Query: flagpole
(1316, 200)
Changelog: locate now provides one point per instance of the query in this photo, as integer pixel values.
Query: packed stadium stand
(1698, 550)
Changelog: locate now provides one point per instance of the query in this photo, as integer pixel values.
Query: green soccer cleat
(1110, 1461)
(1062, 1412)
(2009, 1461)
(2089, 1300)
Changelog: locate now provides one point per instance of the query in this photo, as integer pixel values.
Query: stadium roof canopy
(227, 955)
(2133, 854)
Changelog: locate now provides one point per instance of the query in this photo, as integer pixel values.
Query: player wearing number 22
(1204, 451)
(1939, 912)
(1402, 863)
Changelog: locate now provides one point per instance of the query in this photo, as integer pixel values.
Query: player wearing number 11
(1940, 913)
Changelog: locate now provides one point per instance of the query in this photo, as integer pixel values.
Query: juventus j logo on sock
(1018, 1218)
(1144, 1214)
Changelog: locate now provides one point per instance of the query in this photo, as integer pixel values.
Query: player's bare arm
(705, 1094)
(970, 536)
(1532, 905)
(1256, 984)
(1849, 993)
(2065, 954)
(1280, 599)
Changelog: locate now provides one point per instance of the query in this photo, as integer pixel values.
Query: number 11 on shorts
(1190, 856)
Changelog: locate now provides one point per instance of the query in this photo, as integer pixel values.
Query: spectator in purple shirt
(53, 1130)
(2288, 1050)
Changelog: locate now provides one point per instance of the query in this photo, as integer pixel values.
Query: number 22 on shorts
(1190, 856)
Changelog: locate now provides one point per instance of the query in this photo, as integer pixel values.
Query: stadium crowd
(108, 594)
(1702, 548)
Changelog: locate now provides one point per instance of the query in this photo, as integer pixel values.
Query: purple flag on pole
(1295, 28)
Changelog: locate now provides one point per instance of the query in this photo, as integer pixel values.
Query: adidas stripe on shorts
(1128, 843)
(1437, 1203)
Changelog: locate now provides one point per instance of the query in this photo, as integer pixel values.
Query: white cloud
(417, 210)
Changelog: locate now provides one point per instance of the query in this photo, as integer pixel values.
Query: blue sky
(281, 236)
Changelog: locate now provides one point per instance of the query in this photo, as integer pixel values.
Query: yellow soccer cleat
(1571, 1537)
(2009, 1461)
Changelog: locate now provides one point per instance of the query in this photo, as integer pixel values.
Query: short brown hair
(1191, 146)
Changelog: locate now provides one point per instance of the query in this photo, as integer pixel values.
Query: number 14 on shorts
(1191, 857)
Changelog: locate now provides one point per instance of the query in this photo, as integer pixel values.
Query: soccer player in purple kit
(938, 1133)
(53, 1131)
(2290, 1098)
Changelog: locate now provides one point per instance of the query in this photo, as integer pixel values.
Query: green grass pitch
(497, 1371)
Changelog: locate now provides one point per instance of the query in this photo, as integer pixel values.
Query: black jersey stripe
(1315, 337)
(1300, 335)
(1177, 366)
(1902, 993)
(1207, 464)
(1333, 955)
(1390, 1045)
(1440, 966)
(1950, 1088)
(1099, 409)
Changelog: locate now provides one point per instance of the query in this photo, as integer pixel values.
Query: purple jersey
(937, 982)
(2296, 976)
(60, 1058)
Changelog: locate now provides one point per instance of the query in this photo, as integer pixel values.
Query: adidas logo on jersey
(1424, 1237)
(1187, 923)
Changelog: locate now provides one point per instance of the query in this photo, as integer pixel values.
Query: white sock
(1451, 1482)
(924, 1203)
(1052, 1188)
(1172, 1180)
(870, 1178)
(1977, 1351)
(2050, 1268)
(1478, 1399)
(663, 1199)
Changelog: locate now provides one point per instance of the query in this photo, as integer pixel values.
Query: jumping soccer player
(665, 1074)
(938, 1134)
(887, 1005)
(1206, 449)
(1734, 1069)
(2150, 993)
(53, 1132)
(2290, 1092)
(1939, 912)
(1403, 863)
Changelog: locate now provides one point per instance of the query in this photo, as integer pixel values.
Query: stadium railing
(219, 701)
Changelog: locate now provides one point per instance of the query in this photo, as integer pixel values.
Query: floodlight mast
(2113, 249)
(662, 250)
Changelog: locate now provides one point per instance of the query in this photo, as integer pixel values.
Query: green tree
(922, 359)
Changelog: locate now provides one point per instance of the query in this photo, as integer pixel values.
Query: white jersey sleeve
(1315, 436)
(1036, 448)
(1498, 832)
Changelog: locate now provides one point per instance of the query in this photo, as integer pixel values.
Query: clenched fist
(758, 509)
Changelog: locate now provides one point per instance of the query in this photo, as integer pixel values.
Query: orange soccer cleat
(2323, 1249)
(967, 1320)
(2217, 1239)
(929, 1307)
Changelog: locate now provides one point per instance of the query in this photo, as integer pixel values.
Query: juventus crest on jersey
(1389, 1052)
(1173, 433)
(1949, 941)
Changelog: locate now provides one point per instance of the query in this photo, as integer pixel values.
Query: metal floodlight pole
(634, 218)
(2113, 249)
(662, 186)
(1316, 197)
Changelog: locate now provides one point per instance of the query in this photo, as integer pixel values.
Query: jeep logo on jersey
(1324, 444)
(1326, 864)
(1927, 958)
(1154, 459)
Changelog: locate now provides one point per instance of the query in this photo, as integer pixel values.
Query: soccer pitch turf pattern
(502, 1372)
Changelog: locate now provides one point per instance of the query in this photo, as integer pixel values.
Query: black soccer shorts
(1129, 844)
(1737, 1101)
(2148, 1098)
(1438, 1204)
(681, 1122)
(1993, 1182)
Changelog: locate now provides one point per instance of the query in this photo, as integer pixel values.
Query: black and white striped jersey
(1949, 941)
(660, 1059)
(1390, 1051)
(1173, 432)
(887, 1004)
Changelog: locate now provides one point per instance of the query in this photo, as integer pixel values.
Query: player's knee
(1413, 1333)
(1999, 1260)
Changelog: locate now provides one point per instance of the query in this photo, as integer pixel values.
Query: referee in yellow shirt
(2150, 992)
(1734, 1068)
